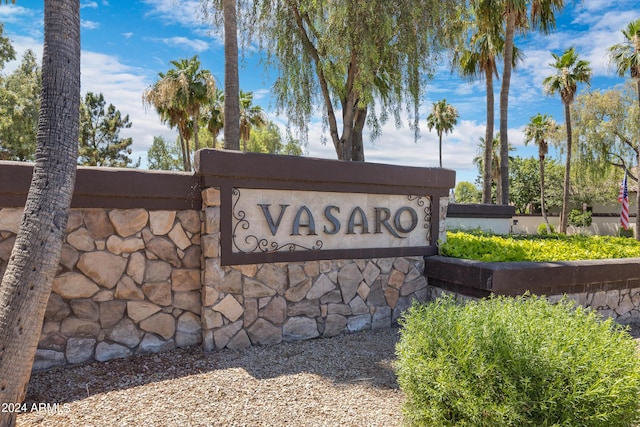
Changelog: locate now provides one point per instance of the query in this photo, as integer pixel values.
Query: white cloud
(89, 25)
(196, 45)
(89, 4)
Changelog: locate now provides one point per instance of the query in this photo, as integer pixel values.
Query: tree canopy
(363, 61)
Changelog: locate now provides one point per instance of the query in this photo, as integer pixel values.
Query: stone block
(192, 257)
(212, 220)
(139, 310)
(98, 224)
(164, 249)
(239, 341)
(57, 309)
(74, 285)
(136, 267)
(74, 221)
(53, 341)
(162, 324)
(307, 308)
(128, 222)
(161, 222)
(343, 309)
(102, 267)
(321, 286)
(158, 293)
(157, 271)
(275, 311)
(415, 285)
(311, 268)
(75, 327)
(263, 332)
(85, 309)
(358, 306)
(334, 325)
(209, 296)
(47, 359)
(299, 291)
(185, 280)
(223, 336)
(126, 332)
(190, 221)
(68, 257)
(274, 277)
(152, 344)
(361, 322)
(211, 319)
(187, 301)
(255, 289)
(211, 197)
(391, 296)
(117, 245)
(106, 351)
(128, 290)
(296, 275)
(230, 308)
(370, 273)
(396, 279)
(81, 240)
(189, 330)
(111, 312)
(402, 265)
(79, 350)
(230, 283)
(381, 319)
(300, 328)
(179, 237)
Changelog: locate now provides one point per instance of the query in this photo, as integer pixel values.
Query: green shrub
(542, 228)
(487, 247)
(579, 219)
(625, 232)
(516, 362)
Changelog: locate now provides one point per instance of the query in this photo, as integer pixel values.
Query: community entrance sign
(283, 208)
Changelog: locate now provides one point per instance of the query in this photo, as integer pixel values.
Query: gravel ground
(342, 381)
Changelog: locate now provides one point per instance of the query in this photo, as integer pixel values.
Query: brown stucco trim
(475, 278)
(459, 210)
(253, 170)
(227, 170)
(110, 188)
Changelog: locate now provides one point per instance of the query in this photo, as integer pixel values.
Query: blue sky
(126, 44)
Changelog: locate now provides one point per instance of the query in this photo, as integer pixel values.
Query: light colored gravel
(342, 381)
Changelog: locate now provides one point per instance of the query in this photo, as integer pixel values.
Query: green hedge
(482, 246)
(516, 362)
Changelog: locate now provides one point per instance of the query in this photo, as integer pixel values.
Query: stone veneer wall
(128, 282)
(269, 303)
(622, 305)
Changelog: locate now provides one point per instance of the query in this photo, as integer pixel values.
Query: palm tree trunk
(504, 106)
(567, 171)
(637, 230)
(231, 79)
(26, 285)
(542, 205)
(440, 147)
(488, 138)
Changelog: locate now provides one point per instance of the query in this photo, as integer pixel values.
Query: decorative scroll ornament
(253, 243)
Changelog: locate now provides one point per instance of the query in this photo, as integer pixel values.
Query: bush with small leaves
(516, 362)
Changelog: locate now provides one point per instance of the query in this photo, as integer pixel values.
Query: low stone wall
(142, 266)
(128, 282)
(611, 286)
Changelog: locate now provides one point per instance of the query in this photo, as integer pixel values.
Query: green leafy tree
(523, 16)
(538, 131)
(570, 70)
(34, 261)
(7, 52)
(524, 180)
(366, 59)
(268, 139)
(213, 115)
(443, 118)
(164, 156)
(99, 139)
(466, 192)
(19, 106)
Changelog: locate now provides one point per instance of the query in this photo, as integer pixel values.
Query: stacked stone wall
(260, 304)
(128, 282)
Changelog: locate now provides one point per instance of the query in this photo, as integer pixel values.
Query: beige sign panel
(289, 221)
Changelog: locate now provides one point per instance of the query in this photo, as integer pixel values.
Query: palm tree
(514, 12)
(26, 285)
(179, 96)
(626, 57)
(443, 118)
(214, 115)
(539, 127)
(231, 79)
(495, 161)
(250, 116)
(569, 72)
